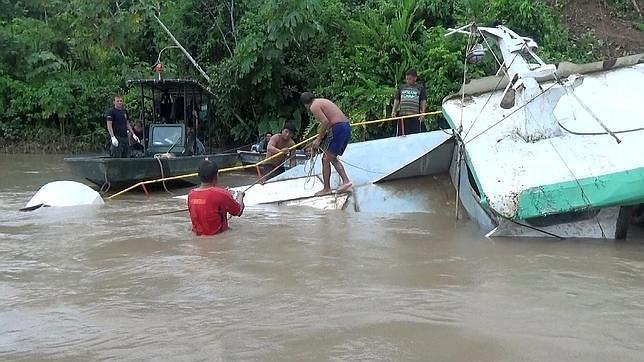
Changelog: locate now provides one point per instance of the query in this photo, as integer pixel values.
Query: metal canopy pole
(185, 115)
(154, 107)
(182, 49)
(199, 110)
(143, 118)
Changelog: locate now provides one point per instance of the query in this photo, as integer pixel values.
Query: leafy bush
(62, 61)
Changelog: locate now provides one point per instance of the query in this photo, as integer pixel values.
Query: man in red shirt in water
(209, 205)
(331, 120)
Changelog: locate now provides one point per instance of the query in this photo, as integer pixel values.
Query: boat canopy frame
(186, 89)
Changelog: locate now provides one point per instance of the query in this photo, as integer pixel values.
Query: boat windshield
(166, 136)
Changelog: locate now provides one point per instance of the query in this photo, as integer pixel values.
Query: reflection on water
(116, 282)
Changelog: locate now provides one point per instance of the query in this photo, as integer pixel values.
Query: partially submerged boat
(171, 139)
(63, 194)
(417, 155)
(548, 149)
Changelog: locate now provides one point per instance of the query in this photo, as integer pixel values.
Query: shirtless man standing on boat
(280, 142)
(334, 122)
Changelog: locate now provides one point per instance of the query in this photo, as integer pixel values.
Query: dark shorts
(412, 125)
(340, 136)
(122, 150)
(266, 168)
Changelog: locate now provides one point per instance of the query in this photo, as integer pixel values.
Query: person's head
(138, 126)
(307, 99)
(208, 172)
(118, 101)
(268, 136)
(288, 131)
(411, 76)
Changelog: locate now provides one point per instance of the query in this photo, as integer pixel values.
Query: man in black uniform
(412, 99)
(117, 126)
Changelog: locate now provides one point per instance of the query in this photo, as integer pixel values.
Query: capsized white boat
(372, 166)
(369, 165)
(548, 149)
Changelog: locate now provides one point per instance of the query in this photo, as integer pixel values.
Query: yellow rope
(237, 168)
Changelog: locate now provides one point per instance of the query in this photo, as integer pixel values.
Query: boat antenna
(192, 60)
(162, 50)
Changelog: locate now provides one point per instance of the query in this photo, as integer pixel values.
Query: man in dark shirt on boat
(411, 97)
(279, 143)
(118, 126)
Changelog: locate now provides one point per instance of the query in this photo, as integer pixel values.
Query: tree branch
(232, 20)
(214, 19)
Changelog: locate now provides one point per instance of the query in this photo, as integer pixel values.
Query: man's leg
(339, 168)
(412, 125)
(326, 175)
(122, 150)
(341, 137)
(126, 150)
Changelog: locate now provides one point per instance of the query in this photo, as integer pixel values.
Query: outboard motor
(63, 193)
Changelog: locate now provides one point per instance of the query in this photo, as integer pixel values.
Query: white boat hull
(63, 194)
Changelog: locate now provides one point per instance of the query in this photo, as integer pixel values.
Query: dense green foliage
(62, 60)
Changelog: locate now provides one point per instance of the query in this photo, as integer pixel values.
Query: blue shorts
(340, 136)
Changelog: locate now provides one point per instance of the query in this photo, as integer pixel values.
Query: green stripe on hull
(620, 188)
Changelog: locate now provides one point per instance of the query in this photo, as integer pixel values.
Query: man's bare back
(332, 112)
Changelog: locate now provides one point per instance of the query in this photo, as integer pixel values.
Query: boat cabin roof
(173, 87)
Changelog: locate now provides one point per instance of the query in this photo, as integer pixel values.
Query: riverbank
(33, 147)
(615, 27)
(70, 147)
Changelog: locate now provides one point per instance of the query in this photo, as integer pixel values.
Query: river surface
(118, 283)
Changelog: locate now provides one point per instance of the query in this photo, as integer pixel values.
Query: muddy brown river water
(117, 283)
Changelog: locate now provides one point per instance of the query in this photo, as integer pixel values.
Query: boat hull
(119, 172)
(603, 225)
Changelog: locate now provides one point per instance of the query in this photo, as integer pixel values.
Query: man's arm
(109, 118)
(396, 104)
(129, 128)
(110, 130)
(240, 200)
(423, 103)
(395, 108)
(292, 161)
(324, 122)
(272, 146)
